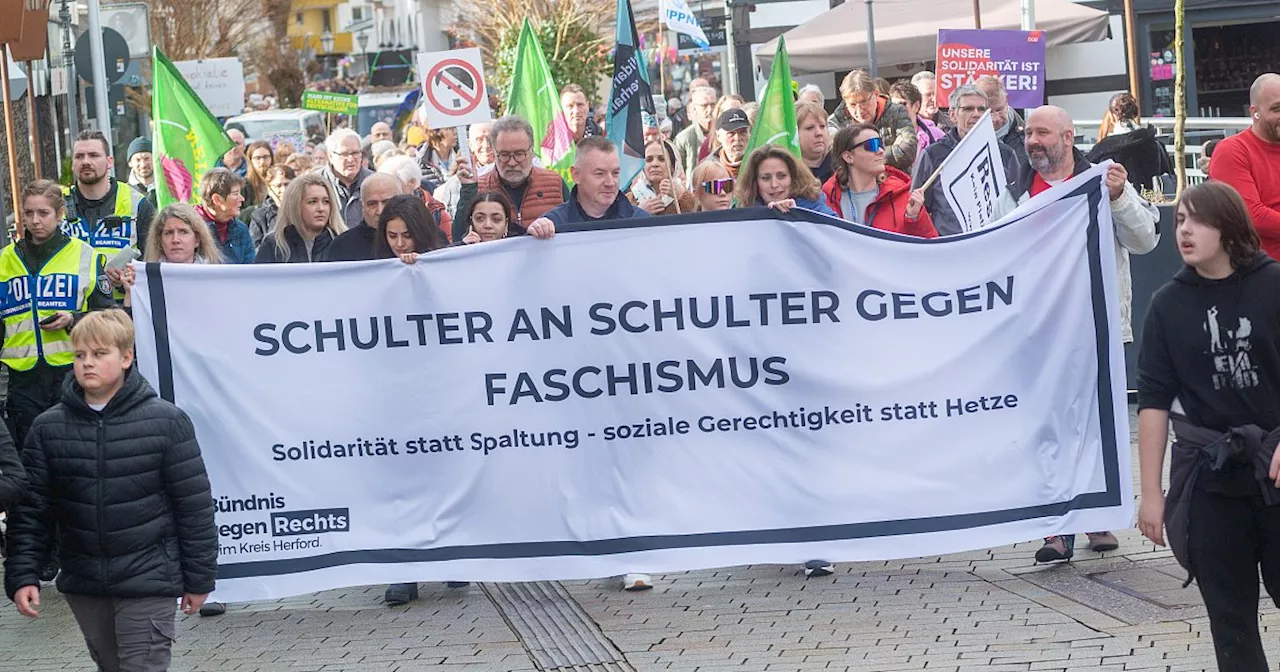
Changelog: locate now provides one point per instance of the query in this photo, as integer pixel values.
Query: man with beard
(733, 131)
(103, 212)
(142, 171)
(1250, 161)
(1052, 159)
(573, 102)
(968, 104)
(532, 191)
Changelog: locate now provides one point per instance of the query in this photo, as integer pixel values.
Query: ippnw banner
(1016, 57)
(618, 400)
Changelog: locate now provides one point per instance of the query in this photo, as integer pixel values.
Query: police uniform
(106, 237)
(62, 274)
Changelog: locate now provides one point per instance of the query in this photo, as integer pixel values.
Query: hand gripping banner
(652, 395)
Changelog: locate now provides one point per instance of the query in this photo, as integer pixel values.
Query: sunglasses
(719, 187)
(873, 145)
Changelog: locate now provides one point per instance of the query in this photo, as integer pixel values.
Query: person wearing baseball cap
(142, 172)
(733, 129)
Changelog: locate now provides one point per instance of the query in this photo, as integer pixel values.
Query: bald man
(356, 243)
(1250, 161)
(1052, 159)
(380, 131)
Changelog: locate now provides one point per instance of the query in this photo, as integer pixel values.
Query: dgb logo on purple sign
(1017, 57)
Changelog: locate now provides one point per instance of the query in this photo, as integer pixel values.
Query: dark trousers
(127, 634)
(1229, 538)
(30, 394)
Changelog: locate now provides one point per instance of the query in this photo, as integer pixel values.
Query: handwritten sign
(219, 82)
(296, 139)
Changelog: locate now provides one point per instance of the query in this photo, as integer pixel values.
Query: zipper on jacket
(102, 509)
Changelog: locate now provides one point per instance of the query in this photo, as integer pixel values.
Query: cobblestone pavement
(990, 611)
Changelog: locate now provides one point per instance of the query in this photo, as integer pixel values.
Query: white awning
(907, 30)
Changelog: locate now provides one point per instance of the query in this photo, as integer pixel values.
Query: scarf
(223, 229)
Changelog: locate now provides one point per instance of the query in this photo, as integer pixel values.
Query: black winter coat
(13, 477)
(1141, 154)
(125, 494)
(263, 221)
(269, 252)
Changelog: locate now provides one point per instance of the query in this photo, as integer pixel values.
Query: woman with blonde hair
(772, 177)
(712, 186)
(308, 222)
(178, 235)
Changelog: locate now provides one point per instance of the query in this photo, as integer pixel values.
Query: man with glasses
(702, 104)
(532, 190)
(864, 105)
(967, 105)
(1009, 126)
(346, 171)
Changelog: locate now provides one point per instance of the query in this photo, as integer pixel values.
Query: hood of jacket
(135, 391)
(1188, 276)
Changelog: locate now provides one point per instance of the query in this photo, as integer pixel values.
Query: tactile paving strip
(554, 629)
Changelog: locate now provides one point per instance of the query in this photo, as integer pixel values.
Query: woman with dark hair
(407, 230)
(656, 189)
(1210, 361)
(488, 217)
(772, 177)
(1132, 145)
(866, 190)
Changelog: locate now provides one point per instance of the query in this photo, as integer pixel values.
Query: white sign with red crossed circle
(453, 88)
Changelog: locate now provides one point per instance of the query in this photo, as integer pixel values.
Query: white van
(258, 124)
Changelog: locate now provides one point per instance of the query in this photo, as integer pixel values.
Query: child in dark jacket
(116, 476)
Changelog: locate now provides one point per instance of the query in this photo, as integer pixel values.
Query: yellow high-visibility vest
(64, 283)
(106, 240)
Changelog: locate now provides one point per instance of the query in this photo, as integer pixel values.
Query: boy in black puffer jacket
(116, 477)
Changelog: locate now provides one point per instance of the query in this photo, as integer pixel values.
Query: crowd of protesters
(381, 197)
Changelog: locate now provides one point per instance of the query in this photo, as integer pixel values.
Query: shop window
(1228, 59)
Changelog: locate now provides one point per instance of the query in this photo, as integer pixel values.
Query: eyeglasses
(872, 145)
(349, 155)
(972, 109)
(719, 187)
(508, 157)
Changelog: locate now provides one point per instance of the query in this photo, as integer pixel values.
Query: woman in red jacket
(866, 191)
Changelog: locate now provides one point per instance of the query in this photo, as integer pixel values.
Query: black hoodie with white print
(1214, 347)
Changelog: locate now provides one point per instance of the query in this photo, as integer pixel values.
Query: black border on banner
(538, 549)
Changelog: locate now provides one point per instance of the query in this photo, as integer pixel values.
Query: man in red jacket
(1250, 161)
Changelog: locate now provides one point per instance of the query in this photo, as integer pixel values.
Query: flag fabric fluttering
(677, 15)
(629, 96)
(535, 98)
(187, 139)
(776, 120)
(404, 113)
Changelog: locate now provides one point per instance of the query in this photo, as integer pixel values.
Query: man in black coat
(116, 476)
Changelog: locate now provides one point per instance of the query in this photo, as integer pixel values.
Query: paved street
(990, 610)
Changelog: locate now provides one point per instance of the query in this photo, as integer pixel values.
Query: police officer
(48, 278)
(108, 214)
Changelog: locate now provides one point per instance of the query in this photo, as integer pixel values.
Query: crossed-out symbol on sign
(454, 87)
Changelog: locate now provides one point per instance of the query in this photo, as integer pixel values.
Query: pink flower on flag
(558, 139)
(177, 177)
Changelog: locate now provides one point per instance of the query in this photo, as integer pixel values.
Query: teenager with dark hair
(406, 230)
(1210, 361)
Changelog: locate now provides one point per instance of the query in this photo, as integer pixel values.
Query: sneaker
(213, 609)
(401, 593)
(1056, 548)
(637, 582)
(1103, 542)
(457, 584)
(818, 568)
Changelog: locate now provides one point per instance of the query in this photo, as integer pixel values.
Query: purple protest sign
(1015, 56)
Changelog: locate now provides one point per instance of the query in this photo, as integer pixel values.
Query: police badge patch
(104, 284)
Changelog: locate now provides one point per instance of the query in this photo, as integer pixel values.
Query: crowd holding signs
(551, 335)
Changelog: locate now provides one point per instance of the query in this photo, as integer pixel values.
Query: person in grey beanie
(142, 171)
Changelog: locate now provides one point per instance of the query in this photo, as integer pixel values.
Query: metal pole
(12, 141)
(730, 83)
(99, 70)
(69, 63)
(1028, 14)
(32, 124)
(871, 39)
(1131, 50)
(977, 14)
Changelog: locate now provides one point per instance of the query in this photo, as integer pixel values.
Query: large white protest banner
(652, 395)
(972, 177)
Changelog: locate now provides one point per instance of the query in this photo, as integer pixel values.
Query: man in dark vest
(532, 190)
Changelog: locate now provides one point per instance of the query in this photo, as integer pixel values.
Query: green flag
(186, 139)
(776, 120)
(535, 98)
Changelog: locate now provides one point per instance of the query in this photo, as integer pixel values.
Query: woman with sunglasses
(656, 189)
(866, 191)
(772, 177)
(712, 186)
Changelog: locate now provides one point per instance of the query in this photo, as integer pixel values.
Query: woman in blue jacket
(772, 177)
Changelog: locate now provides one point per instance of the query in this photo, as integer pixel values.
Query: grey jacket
(945, 220)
